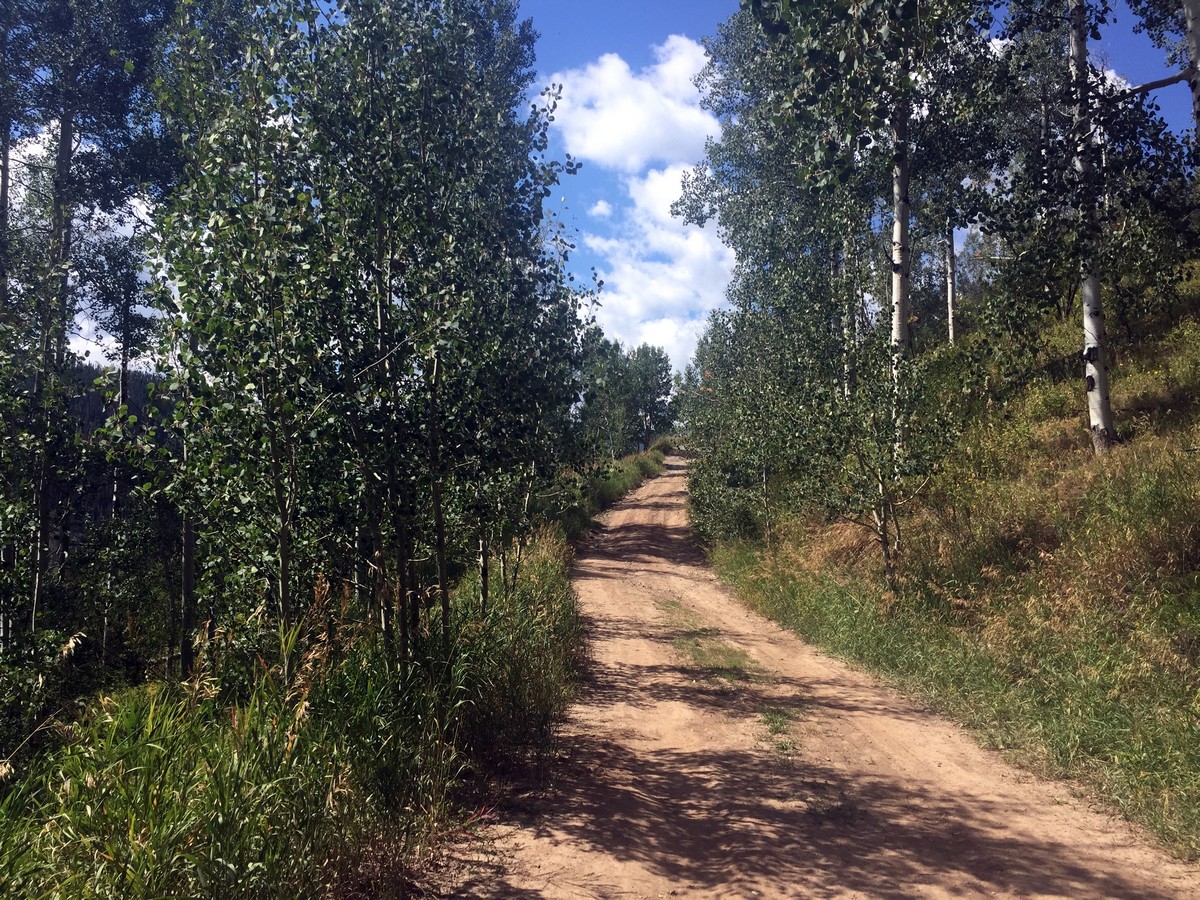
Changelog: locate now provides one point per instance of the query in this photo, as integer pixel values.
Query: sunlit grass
(602, 488)
(713, 657)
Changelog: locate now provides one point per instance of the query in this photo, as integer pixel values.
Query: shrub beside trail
(596, 491)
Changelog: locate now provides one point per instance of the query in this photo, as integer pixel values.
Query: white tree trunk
(5, 160)
(848, 277)
(187, 575)
(951, 278)
(1100, 414)
(901, 211)
(1100, 417)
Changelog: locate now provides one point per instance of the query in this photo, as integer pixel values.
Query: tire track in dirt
(668, 784)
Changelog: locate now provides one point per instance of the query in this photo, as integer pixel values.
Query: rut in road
(754, 766)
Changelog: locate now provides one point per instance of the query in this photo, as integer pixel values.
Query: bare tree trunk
(172, 621)
(187, 592)
(1095, 357)
(387, 607)
(362, 556)
(951, 282)
(439, 518)
(7, 549)
(483, 575)
(6, 611)
(404, 594)
(414, 603)
(901, 251)
(439, 529)
(848, 275)
(5, 181)
(901, 213)
(41, 535)
(883, 532)
(187, 578)
(54, 324)
(122, 399)
(62, 239)
(283, 512)
(766, 501)
(515, 568)
(285, 573)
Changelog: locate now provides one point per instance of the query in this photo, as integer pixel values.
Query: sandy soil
(669, 782)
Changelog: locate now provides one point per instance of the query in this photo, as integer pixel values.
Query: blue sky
(631, 114)
(1139, 61)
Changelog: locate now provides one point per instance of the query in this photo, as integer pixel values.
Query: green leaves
(381, 338)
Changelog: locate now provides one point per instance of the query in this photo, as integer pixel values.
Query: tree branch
(1186, 75)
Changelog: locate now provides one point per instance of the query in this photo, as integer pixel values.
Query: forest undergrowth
(329, 780)
(1047, 597)
(282, 568)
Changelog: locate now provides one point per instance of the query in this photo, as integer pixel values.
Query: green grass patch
(778, 723)
(706, 650)
(776, 720)
(1046, 597)
(1096, 694)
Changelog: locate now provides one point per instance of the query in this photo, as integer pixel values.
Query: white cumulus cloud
(661, 277)
(644, 130)
(627, 120)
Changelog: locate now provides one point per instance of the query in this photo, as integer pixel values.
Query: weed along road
(712, 754)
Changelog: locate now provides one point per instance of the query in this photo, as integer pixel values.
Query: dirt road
(712, 754)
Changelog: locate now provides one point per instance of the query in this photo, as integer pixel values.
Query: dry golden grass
(839, 546)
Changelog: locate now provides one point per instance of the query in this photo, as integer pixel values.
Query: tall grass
(1048, 598)
(520, 658)
(325, 783)
(327, 778)
(163, 792)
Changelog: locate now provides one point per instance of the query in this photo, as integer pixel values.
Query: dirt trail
(671, 782)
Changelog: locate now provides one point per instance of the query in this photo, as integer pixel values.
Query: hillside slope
(1047, 597)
